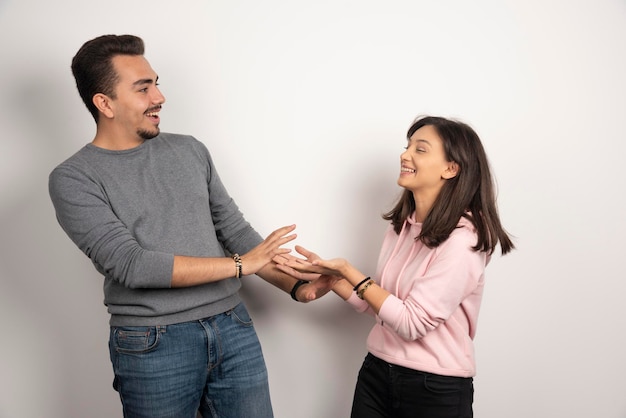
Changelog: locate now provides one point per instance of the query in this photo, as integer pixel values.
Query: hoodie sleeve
(359, 305)
(454, 272)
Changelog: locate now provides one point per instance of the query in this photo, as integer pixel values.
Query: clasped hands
(323, 274)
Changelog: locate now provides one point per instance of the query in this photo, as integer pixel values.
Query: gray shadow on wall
(54, 293)
(336, 328)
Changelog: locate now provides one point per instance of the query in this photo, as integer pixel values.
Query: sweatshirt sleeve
(232, 229)
(454, 273)
(359, 305)
(84, 214)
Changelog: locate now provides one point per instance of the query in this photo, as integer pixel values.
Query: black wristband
(360, 283)
(295, 289)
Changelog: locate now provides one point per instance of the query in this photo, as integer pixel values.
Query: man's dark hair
(92, 66)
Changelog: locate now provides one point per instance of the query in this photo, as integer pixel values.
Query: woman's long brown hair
(470, 194)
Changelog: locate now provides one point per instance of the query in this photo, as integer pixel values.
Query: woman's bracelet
(238, 266)
(364, 288)
(360, 283)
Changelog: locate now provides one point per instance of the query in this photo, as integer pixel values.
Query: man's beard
(144, 134)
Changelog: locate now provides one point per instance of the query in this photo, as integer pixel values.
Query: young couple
(150, 211)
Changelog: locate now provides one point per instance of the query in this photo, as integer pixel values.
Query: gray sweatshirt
(131, 211)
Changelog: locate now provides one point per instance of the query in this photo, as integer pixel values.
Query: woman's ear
(451, 171)
(103, 104)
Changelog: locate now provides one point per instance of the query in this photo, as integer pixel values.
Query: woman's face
(424, 168)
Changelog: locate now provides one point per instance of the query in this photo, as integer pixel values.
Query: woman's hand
(319, 285)
(314, 264)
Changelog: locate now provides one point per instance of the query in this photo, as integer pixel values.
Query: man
(150, 211)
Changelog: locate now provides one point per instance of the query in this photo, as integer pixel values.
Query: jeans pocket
(240, 315)
(135, 340)
(442, 384)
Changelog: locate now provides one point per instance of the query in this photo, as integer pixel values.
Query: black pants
(385, 390)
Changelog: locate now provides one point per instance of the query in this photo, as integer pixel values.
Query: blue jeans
(385, 390)
(214, 366)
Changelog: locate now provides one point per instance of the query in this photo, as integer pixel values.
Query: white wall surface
(304, 105)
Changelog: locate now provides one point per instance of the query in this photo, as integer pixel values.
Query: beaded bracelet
(238, 266)
(365, 287)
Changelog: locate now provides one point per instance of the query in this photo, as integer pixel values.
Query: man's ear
(103, 104)
(451, 171)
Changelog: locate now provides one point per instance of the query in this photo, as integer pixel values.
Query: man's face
(137, 100)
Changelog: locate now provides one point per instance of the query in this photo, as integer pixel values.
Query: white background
(304, 106)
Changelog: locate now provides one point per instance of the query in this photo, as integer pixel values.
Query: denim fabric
(390, 391)
(214, 366)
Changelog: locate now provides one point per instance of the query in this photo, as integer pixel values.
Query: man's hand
(316, 289)
(262, 254)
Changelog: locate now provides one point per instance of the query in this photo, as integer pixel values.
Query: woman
(428, 286)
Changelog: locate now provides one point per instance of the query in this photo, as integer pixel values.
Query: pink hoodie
(429, 321)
